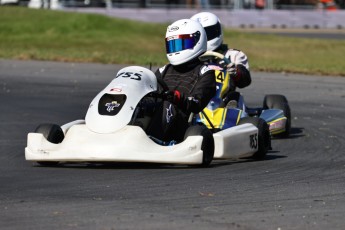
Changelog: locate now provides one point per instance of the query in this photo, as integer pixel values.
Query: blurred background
(273, 14)
(331, 5)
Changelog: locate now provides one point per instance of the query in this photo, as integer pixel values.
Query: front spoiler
(130, 144)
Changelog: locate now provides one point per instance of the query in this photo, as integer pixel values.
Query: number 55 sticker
(134, 76)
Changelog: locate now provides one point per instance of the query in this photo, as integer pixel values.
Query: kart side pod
(236, 142)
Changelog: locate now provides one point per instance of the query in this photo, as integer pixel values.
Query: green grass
(296, 55)
(60, 36)
(30, 34)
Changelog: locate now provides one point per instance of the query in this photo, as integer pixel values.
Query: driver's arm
(200, 96)
(242, 77)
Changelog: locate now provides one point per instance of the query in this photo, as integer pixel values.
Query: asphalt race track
(300, 185)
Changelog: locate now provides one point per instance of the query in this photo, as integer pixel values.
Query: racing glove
(241, 76)
(173, 96)
(231, 69)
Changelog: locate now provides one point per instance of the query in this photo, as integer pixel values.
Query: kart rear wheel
(207, 145)
(263, 138)
(54, 134)
(276, 101)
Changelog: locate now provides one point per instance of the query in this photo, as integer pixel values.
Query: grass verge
(31, 34)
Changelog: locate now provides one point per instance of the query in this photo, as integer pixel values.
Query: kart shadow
(121, 165)
(270, 156)
(133, 165)
(295, 132)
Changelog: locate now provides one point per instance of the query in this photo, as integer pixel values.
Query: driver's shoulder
(163, 68)
(205, 69)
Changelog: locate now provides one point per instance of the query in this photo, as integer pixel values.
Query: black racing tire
(207, 145)
(276, 101)
(263, 139)
(54, 134)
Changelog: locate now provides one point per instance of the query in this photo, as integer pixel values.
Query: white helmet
(213, 28)
(185, 40)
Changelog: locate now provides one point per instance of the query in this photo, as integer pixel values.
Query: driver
(190, 83)
(238, 67)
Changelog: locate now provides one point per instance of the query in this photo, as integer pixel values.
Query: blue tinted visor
(178, 43)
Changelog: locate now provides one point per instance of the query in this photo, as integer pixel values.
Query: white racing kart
(110, 132)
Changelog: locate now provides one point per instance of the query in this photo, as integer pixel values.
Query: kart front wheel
(263, 139)
(276, 101)
(207, 145)
(54, 134)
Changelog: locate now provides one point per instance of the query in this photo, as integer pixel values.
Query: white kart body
(110, 138)
(130, 144)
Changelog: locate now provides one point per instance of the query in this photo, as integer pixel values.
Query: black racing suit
(196, 85)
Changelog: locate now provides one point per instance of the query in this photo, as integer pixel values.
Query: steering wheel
(220, 58)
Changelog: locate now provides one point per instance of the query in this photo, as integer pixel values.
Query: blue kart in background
(217, 116)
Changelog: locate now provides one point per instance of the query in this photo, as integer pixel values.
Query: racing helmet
(213, 28)
(185, 40)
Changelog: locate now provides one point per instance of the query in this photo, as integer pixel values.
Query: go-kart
(275, 110)
(109, 132)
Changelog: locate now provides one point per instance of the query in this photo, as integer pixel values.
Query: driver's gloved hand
(222, 63)
(173, 96)
(231, 69)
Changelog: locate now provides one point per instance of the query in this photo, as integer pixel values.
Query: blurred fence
(284, 19)
(225, 4)
(185, 4)
(231, 12)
